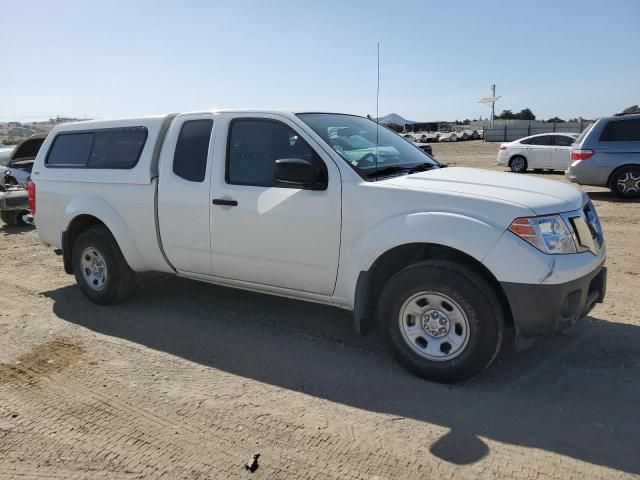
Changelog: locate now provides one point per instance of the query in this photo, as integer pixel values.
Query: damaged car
(14, 176)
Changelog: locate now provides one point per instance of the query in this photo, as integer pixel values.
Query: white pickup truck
(327, 208)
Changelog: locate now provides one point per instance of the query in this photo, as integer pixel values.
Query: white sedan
(551, 151)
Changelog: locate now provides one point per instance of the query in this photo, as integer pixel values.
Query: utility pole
(493, 104)
(491, 101)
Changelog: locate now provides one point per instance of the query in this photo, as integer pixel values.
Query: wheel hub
(94, 268)
(629, 182)
(97, 266)
(435, 323)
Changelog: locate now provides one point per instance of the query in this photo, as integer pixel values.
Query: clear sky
(115, 58)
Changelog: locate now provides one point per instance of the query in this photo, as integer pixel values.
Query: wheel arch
(85, 213)
(77, 226)
(617, 169)
(371, 282)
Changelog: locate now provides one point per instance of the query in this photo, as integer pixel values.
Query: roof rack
(622, 114)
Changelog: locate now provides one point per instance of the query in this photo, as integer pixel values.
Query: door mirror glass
(295, 171)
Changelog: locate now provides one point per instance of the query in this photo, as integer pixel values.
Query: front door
(539, 152)
(269, 233)
(183, 194)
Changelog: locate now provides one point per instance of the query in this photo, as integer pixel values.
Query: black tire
(120, 279)
(475, 298)
(518, 164)
(20, 218)
(631, 174)
(8, 217)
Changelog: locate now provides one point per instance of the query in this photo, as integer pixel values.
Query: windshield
(370, 149)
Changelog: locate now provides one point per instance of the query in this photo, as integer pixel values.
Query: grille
(593, 222)
(587, 229)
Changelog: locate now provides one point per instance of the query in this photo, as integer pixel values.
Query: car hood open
(543, 197)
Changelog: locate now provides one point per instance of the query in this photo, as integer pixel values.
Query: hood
(543, 197)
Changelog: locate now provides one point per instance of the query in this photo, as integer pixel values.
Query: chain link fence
(510, 130)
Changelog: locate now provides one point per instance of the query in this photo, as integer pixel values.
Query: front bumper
(545, 309)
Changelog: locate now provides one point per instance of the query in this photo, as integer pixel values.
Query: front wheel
(441, 320)
(625, 182)
(100, 269)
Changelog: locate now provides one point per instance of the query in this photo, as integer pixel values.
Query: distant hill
(395, 118)
(12, 133)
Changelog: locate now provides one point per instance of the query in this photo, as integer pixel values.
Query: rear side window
(109, 148)
(117, 148)
(543, 140)
(562, 141)
(621, 131)
(190, 158)
(70, 150)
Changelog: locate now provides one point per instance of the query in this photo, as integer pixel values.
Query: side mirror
(296, 171)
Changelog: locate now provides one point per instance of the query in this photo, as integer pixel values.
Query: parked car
(14, 176)
(21, 160)
(14, 201)
(425, 147)
(441, 260)
(551, 151)
(608, 155)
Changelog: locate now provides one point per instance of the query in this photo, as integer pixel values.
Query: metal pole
(493, 104)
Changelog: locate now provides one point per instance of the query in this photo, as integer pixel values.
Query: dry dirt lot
(188, 380)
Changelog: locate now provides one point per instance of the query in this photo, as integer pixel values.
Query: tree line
(527, 114)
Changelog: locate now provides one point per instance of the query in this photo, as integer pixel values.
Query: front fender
(469, 235)
(103, 211)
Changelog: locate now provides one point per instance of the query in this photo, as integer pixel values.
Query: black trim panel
(540, 310)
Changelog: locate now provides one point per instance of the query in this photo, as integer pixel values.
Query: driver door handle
(225, 201)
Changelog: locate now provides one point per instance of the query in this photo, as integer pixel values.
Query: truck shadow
(576, 395)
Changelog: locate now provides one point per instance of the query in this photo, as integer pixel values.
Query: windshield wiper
(392, 169)
(385, 171)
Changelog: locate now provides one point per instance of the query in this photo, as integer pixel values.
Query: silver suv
(607, 154)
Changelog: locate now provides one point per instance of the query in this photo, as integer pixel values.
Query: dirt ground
(188, 380)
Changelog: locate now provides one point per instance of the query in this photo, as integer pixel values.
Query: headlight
(548, 234)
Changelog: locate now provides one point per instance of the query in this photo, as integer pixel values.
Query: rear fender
(103, 211)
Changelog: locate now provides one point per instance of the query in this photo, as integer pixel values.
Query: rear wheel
(101, 271)
(625, 182)
(518, 164)
(441, 320)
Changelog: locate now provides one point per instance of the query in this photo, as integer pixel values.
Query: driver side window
(254, 145)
